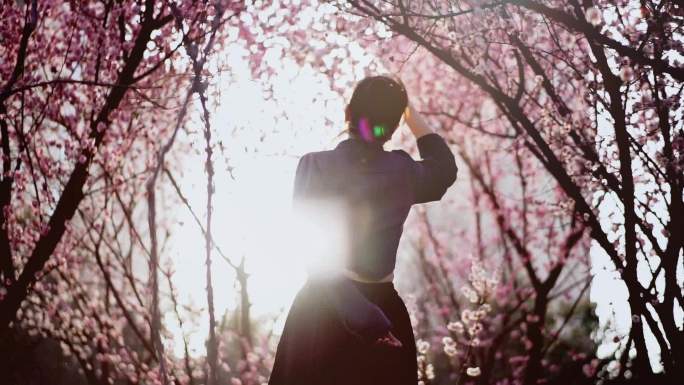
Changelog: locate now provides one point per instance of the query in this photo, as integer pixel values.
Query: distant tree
(592, 91)
(91, 99)
(504, 271)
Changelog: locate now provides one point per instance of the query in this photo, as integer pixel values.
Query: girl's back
(353, 328)
(374, 190)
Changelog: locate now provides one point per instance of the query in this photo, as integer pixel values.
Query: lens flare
(319, 235)
(365, 130)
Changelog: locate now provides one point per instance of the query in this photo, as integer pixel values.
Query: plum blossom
(626, 73)
(422, 346)
(594, 16)
(473, 371)
(455, 326)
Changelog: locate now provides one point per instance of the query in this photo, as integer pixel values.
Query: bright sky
(252, 215)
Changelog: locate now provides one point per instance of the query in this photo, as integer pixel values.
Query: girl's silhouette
(349, 326)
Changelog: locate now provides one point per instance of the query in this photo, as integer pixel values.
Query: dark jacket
(376, 188)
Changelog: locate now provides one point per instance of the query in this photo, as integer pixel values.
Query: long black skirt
(316, 349)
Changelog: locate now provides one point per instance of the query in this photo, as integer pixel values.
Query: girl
(349, 326)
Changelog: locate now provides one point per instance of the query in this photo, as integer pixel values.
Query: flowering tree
(565, 117)
(504, 219)
(88, 89)
(591, 90)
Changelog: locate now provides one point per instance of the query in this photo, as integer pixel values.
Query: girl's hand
(414, 120)
(389, 340)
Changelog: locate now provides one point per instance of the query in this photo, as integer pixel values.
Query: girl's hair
(376, 107)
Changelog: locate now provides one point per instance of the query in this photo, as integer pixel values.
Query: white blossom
(455, 326)
(594, 16)
(422, 346)
(450, 350)
(473, 372)
(626, 73)
(430, 372)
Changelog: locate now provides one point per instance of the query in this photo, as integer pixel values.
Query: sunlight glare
(252, 209)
